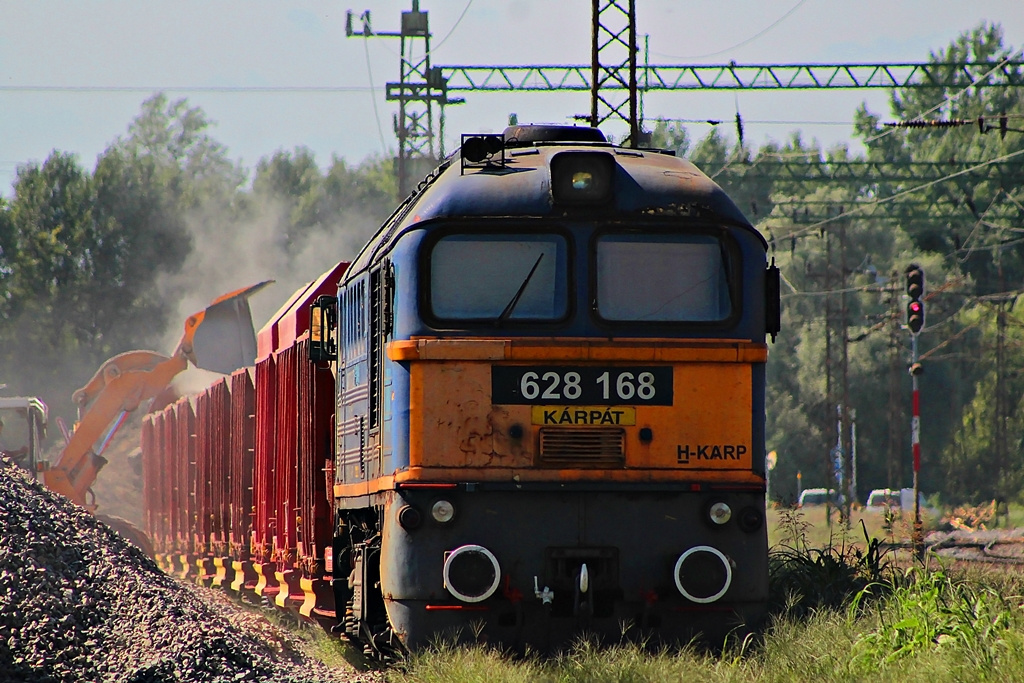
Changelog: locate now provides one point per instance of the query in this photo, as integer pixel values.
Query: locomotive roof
(648, 182)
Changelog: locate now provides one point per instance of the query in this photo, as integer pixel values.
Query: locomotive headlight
(720, 513)
(443, 511)
(582, 177)
(582, 180)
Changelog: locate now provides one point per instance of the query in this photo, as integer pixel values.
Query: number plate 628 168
(523, 385)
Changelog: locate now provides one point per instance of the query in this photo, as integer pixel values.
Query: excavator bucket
(221, 338)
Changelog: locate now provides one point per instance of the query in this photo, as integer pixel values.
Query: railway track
(994, 546)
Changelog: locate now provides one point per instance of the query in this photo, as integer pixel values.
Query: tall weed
(931, 610)
(804, 579)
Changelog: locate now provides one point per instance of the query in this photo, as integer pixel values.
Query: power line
(947, 100)
(268, 89)
(749, 40)
(861, 207)
(373, 97)
(454, 26)
(769, 122)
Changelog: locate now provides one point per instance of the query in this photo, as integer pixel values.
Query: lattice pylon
(613, 63)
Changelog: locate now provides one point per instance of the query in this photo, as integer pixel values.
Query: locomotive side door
(364, 376)
(351, 425)
(380, 309)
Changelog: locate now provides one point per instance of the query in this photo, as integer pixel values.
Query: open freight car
(550, 419)
(237, 478)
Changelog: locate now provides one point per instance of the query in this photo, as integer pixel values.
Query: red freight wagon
(292, 531)
(242, 446)
(212, 491)
(159, 507)
(198, 474)
(169, 467)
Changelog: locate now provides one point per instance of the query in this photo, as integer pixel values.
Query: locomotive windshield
(662, 278)
(499, 277)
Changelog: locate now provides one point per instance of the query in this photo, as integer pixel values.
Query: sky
(54, 53)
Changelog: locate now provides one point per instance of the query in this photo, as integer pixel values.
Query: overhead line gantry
(616, 81)
(733, 76)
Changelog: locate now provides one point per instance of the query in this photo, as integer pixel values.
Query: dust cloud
(229, 254)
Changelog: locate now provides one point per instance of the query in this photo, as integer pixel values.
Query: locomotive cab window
(660, 277)
(499, 277)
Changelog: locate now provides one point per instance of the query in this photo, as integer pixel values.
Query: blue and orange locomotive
(548, 381)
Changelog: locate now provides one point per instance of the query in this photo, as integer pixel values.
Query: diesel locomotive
(550, 370)
(535, 407)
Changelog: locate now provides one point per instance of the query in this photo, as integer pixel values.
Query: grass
(818, 532)
(843, 610)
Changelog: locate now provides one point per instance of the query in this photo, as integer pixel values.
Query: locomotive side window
(499, 277)
(353, 333)
(662, 278)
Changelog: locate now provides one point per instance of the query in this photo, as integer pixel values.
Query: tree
(47, 238)
(981, 236)
(83, 255)
(670, 135)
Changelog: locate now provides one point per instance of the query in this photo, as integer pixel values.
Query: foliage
(94, 264)
(932, 610)
(49, 235)
(933, 625)
(670, 135)
(843, 247)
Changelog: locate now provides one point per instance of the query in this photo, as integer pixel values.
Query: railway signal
(915, 321)
(915, 290)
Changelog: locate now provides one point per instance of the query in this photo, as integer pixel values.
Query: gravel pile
(78, 603)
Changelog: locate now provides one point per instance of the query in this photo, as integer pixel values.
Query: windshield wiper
(511, 306)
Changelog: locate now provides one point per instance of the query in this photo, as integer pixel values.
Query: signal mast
(915, 323)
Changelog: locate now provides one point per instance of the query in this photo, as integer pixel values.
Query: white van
(816, 497)
(896, 499)
(887, 498)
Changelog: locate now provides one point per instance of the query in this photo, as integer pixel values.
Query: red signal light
(915, 316)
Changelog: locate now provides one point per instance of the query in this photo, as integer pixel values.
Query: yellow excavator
(220, 338)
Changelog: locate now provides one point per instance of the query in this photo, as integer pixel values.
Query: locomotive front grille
(583, 446)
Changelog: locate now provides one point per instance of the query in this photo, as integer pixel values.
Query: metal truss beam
(1009, 173)
(556, 77)
(798, 212)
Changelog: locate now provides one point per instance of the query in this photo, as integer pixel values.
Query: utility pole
(846, 447)
(418, 89)
(894, 471)
(830, 466)
(853, 453)
(1001, 401)
(1003, 404)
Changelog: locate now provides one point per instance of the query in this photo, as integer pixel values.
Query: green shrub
(931, 610)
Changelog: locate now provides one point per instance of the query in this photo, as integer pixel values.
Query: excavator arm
(219, 338)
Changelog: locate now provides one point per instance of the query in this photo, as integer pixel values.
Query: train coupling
(582, 606)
